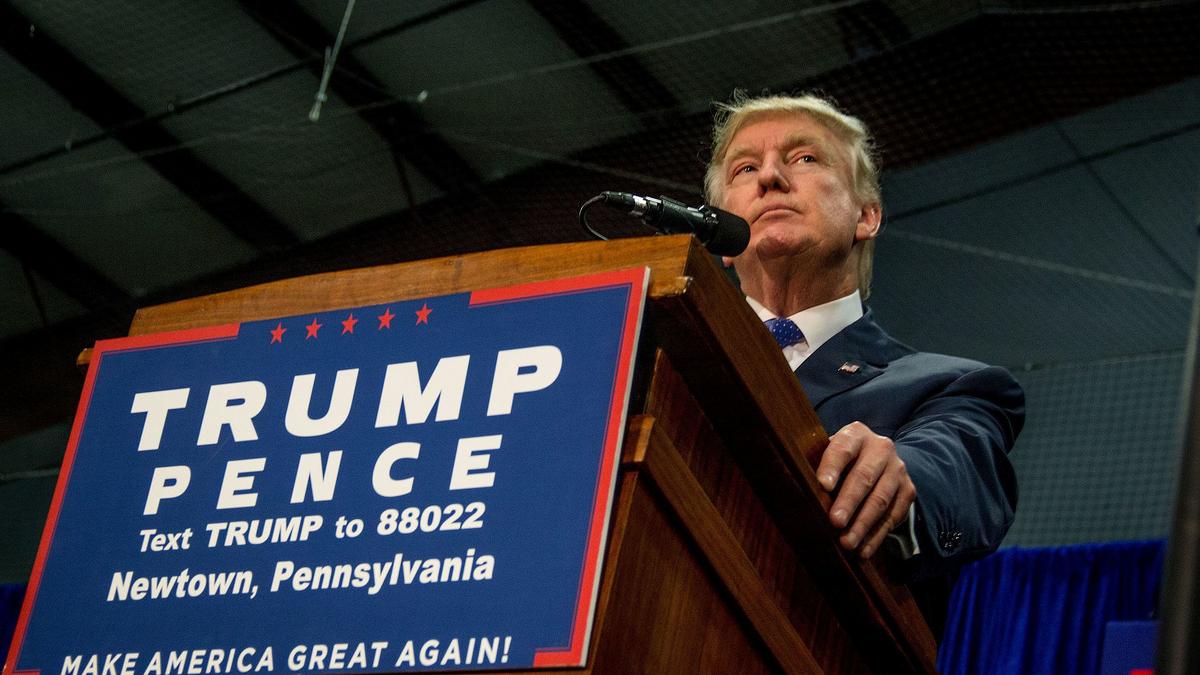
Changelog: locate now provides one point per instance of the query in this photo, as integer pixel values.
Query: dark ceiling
(163, 150)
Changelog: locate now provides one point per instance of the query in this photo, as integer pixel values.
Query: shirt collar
(821, 322)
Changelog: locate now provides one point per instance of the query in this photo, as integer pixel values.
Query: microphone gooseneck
(721, 232)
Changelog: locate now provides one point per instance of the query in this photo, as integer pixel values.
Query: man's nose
(772, 175)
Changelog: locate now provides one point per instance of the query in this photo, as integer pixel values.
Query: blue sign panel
(420, 485)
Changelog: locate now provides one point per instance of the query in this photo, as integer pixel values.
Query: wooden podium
(720, 558)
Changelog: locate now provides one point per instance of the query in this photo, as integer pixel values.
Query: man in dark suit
(918, 442)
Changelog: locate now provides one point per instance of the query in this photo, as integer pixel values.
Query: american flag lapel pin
(848, 368)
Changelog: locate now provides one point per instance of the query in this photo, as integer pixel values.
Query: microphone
(721, 232)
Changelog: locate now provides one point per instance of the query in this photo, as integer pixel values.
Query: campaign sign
(416, 485)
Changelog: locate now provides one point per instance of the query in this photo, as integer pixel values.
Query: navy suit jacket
(953, 421)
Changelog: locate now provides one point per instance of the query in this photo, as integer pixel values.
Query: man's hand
(875, 490)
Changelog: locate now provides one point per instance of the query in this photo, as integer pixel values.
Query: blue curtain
(1043, 610)
(11, 596)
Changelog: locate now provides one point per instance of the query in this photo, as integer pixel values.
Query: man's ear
(869, 218)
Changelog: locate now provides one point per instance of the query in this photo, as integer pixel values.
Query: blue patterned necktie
(785, 331)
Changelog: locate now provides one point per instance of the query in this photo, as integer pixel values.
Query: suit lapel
(856, 355)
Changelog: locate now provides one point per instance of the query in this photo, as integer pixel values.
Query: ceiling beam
(397, 121)
(589, 35)
(50, 259)
(916, 113)
(187, 104)
(90, 94)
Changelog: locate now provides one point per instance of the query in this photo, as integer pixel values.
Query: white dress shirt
(817, 323)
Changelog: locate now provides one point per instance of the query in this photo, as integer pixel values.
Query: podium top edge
(668, 258)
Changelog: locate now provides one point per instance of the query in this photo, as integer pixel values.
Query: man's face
(789, 177)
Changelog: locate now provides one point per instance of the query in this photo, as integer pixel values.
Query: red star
(385, 319)
(423, 314)
(312, 329)
(348, 324)
(277, 334)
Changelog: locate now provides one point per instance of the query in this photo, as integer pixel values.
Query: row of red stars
(385, 321)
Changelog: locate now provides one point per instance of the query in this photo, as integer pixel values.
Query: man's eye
(745, 168)
(807, 158)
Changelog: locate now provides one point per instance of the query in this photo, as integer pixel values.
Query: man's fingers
(896, 515)
(875, 454)
(843, 448)
(876, 504)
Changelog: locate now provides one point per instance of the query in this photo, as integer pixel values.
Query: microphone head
(730, 236)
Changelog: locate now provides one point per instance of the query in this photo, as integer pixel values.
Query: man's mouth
(774, 210)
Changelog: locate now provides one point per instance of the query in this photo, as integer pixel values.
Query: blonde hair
(864, 173)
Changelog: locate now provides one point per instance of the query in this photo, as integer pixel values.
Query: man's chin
(772, 248)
